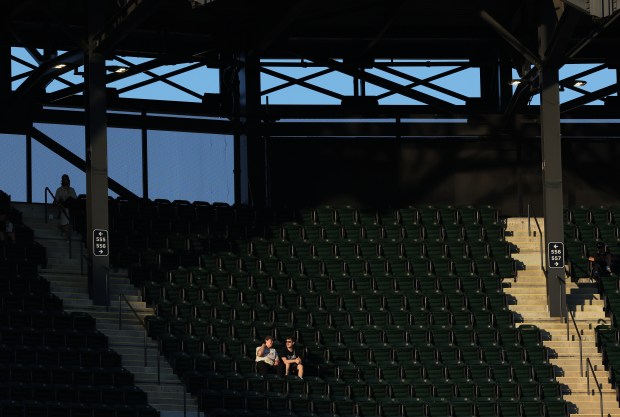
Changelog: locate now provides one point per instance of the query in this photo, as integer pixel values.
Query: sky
(205, 161)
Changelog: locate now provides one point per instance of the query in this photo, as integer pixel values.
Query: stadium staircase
(68, 281)
(529, 302)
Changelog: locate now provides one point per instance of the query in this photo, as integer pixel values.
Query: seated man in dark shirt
(601, 261)
(291, 359)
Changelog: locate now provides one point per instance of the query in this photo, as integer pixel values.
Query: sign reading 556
(101, 245)
(555, 254)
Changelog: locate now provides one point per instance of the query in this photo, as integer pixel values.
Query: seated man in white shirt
(267, 359)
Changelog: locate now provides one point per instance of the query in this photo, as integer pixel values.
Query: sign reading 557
(555, 254)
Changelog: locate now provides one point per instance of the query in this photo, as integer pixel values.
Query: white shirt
(63, 194)
(269, 355)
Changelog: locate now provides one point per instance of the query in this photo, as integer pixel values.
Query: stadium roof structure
(347, 37)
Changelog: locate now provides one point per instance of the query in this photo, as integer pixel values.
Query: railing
(107, 287)
(122, 297)
(598, 385)
(572, 316)
(530, 214)
(64, 212)
(89, 272)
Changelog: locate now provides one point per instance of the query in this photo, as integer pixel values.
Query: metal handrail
(107, 287)
(64, 211)
(540, 235)
(598, 385)
(572, 316)
(122, 297)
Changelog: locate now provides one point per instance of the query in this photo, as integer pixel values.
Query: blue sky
(205, 161)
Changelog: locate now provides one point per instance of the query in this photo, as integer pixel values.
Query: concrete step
(150, 375)
(519, 289)
(532, 258)
(130, 325)
(67, 281)
(530, 307)
(530, 272)
(530, 289)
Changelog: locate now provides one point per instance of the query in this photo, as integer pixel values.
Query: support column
(28, 168)
(96, 161)
(553, 198)
(5, 71)
(489, 84)
(505, 89)
(145, 158)
(5, 80)
(249, 147)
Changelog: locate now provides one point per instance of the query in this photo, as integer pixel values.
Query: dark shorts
(292, 369)
(264, 368)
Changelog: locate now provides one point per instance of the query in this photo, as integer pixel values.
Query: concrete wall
(389, 172)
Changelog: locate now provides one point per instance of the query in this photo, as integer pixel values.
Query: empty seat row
(596, 215)
(65, 375)
(85, 394)
(19, 408)
(47, 320)
(226, 404)
(82, 356)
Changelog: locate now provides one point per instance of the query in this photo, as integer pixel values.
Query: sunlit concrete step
(529, 258)
(565, 347)
(583, 400)
(607, 413)
(516, 220)
(520, 299)
(579, 308)
(525, 277)
(585, 337)
(526, 290)
(528, 279)
(569, 366)
(558, 331)
(533, 270)
(524, 247)
(573, 369)
(525, 316)
(581, 384)
(592, 406)
(593, 410)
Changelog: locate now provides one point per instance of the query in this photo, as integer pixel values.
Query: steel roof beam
(73, 159)
(79, 88)
(593, 34)
(163, 78)
(129, 16)
(290, 83)
(428, 80)
(589, 98)
(394, 16)
(555, 54)
(45, 73)
(302, 83)
(511, 39)
(426, 83)
(441, 105)
(276, 31)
